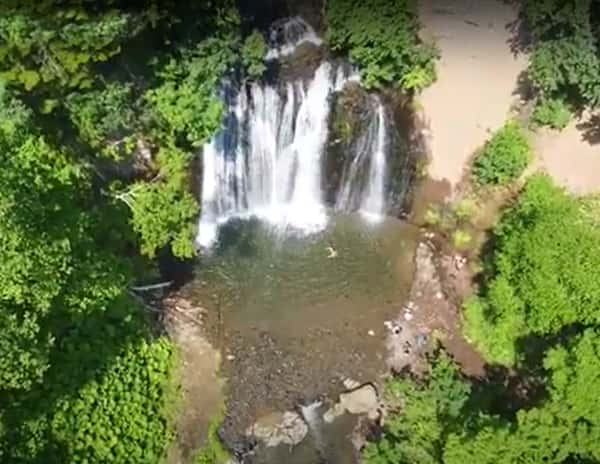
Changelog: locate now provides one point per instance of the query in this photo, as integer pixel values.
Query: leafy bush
(417, 430)
(104, 117)
(551, 112)
(253, 52)
(465, 209)
(51, 44)
(504, 157)
(186, 102)
(381, 37)
(213, 451)
(163, 210)
(542, 279)
(461, 239)
(123, 413)
(565, 62)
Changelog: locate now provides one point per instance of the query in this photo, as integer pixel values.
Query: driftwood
(146, 288)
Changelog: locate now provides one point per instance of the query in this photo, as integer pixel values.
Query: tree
(423, 413)
(541, 277)
(381, 37)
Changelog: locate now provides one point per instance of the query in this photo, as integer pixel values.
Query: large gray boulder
(286, 428)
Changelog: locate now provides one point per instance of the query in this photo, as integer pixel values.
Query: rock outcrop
(286, 428)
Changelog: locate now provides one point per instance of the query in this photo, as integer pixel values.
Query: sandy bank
(477, 79)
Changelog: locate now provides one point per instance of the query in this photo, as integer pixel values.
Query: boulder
(363, 400)
(286, 428)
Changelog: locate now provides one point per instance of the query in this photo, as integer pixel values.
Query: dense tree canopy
(564, 65)
(541, 278)
(96, 138)
(381, 37)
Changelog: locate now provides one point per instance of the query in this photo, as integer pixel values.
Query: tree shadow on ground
(520, 40)
(590, 129)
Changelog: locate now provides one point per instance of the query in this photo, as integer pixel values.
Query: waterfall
(368, 155)
(266, 161)
(373, 203)
(286, 35)
(312, 416)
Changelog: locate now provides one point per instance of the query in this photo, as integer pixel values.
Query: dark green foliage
(422, 415)
(504, 157)
(104, 118)
(566, 424)
(443, 423)
(81, 377)
(564, 64)
(55, 46)
(551, 112)
(381, 37)
(98, 155)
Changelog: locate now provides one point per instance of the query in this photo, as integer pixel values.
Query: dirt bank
(477, 79)
(572, 156)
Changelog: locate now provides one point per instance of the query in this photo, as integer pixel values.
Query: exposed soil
(201, 387)
(478, 78)
(432, 313)
(572, 156)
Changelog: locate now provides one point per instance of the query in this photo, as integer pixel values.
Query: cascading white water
(267, 159)
(288, 34)
(266, 162)
(368, 154)
(373, 202)
(312, 416)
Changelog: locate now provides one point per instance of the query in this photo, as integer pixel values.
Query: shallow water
(298, 314)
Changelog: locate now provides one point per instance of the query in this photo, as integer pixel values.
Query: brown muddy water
(295, 316)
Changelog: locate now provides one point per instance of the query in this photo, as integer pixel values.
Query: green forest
(103, 106)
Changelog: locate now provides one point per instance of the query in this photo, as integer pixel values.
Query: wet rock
(302, 64)
(286, 428)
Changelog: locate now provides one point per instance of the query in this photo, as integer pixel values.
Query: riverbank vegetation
(381, 37)
(535, 320)
(564, 65)
(101, 111)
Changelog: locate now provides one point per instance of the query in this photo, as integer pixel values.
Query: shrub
(461, 239)
(381, 37)
(213, 451)
(542, 276)
(552, 112)
(465, 209)
(254, 51)
(433, 216)
(504, 157)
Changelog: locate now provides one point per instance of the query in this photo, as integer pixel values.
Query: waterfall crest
(286, 35)
(267, 159)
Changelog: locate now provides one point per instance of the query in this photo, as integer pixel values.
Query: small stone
(408, 316)
(439, 295)
(350, 384)
(230, 357)
(371, 333)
